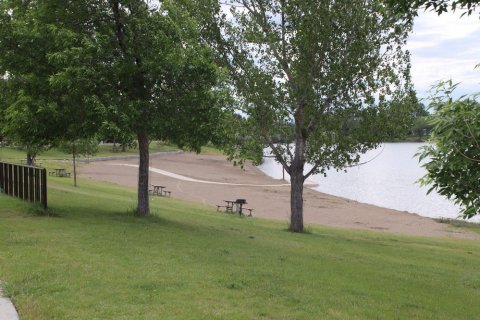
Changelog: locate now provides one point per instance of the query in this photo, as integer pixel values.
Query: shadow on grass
(40, 212)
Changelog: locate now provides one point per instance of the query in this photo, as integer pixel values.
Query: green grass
(474, 227)
(104, 150)
(90, 258)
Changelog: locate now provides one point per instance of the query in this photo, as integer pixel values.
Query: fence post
(20, 182)
(2, 176)
(37, 184)
(24, 182)
(44, 188)
(31, 186)
(14, 178)
(10, 180)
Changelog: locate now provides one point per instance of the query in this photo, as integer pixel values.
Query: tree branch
(472, 135)
(313, 124)
(119, 26)
(309, 173)
(464, 155)
(279, 156)
(262, 21)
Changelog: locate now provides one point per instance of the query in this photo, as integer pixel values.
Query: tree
(421, 127)
(158, 76)
(410, 7)
(452, 159)
(111, 132)
(85, 147)
(39, 43)
(120, 61)
(27, 115)
(309, 70)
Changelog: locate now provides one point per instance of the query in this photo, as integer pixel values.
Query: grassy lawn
(92, 259)
(104, 150)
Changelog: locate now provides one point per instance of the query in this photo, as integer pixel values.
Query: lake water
(387, 180)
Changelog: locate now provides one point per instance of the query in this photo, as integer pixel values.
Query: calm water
(389, 180)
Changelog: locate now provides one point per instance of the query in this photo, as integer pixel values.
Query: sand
(210, 179)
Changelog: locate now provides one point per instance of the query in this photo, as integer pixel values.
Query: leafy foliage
(72, 69)
(318, 72)
(421, 127)
(410, 7)
(453, 157)
(40, 45)
(82, 147)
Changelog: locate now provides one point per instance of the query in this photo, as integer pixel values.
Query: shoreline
(269, 198)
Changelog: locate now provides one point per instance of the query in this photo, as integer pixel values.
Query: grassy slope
(97, 261)
(105, 150)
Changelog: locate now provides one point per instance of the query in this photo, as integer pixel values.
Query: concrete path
(7, 310)
(180, 177)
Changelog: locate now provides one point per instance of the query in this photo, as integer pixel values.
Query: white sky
(445, 47)
(442, 48)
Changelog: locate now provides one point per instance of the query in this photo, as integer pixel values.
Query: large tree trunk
(296, 184)
(143, 208)
(296, 197)
(30, 159)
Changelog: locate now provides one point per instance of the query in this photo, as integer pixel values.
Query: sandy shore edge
(269, 198)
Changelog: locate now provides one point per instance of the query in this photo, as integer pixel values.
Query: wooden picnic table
(229, 206)
(59, 172)
(238, 204)
(158, 190)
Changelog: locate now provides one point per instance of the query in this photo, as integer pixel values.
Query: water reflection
(389, 180)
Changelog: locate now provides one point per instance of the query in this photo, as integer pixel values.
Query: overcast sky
(445, 47)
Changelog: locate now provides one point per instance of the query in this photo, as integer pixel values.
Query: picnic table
(59, 172)
(239, 205)
(158, 191)
(228, 207)
(235, 206)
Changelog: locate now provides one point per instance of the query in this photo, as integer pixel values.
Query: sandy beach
(210, 179)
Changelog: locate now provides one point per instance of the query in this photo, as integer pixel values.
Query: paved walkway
(184, 178)
(7, 310)
(180, 177)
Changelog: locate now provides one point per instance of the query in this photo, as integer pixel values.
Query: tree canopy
(452, 159)
(320, 72)
(410, 7)
(159, 77)
(41, 51)
(74, 68)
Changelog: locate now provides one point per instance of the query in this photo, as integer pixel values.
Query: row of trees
(71, 69)
(331, 75)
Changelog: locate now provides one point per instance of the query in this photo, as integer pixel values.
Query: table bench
(238, 204)
(158, 191)
(59, 172)
(227, 208)
(249, 211)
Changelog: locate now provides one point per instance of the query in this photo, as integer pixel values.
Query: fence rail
(25, 182)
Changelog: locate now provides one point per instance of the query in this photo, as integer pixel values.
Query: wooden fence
(24, 182)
